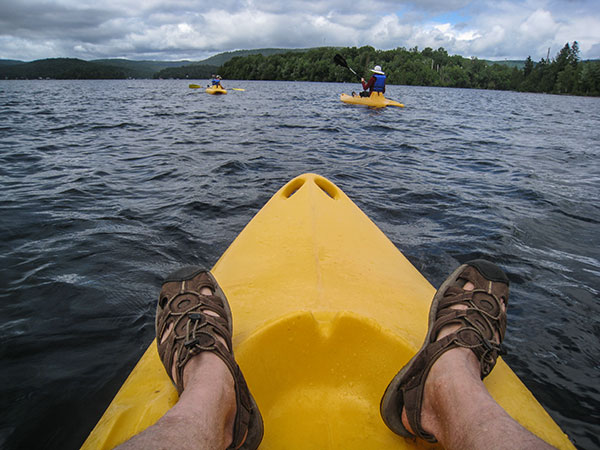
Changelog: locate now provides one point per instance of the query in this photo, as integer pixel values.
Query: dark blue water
(106, 186)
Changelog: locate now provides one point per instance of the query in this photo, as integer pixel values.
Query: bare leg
(204, 415)
(459, 411)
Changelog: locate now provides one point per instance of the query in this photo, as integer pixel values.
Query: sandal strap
(483, 319)
(182, 313)
(192, 331)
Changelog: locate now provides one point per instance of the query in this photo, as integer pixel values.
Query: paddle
(197, 86)
(341, 61)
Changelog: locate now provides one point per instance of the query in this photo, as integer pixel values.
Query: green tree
(590, 78)
(566, 74)
(456, 76)
(528, 67)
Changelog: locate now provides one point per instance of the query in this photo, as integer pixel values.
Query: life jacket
(379, 85)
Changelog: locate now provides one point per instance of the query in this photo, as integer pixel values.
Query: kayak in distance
(326, 310)
(375, 100)
(216, 90)
(197, 86)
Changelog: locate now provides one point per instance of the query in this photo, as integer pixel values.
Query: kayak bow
(326, 311)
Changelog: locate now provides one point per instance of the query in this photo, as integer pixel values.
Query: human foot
(467, 313)
(194, 329)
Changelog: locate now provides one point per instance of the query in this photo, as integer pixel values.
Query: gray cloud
(49, 20)
(193, 29)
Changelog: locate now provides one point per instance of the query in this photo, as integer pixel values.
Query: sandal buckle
(196, 316)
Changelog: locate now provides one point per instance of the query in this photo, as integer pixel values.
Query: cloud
(194, 29)
(49, 20)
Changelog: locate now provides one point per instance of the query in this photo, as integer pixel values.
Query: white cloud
(193, 29)
(538, 24)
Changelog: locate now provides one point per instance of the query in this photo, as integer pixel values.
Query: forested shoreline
(563, 74)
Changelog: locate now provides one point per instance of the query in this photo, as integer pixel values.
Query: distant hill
(140, 69)
(9, 62)
(222, 58)
(62, 69)
(519, 64)
(209, 66)
(192, 71)
(117, 68)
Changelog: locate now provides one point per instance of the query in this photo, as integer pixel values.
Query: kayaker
(216, 81)
(375, 84)
(438, 395)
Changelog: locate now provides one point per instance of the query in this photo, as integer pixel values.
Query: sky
(171, 30)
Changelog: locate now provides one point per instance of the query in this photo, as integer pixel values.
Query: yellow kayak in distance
(216, 90)
(326, 310)
(375, 100)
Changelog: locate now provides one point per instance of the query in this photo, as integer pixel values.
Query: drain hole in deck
(293, 187)
(327, 187)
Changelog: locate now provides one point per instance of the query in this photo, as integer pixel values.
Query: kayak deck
(375, 100)
(326, 311)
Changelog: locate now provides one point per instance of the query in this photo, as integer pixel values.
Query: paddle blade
(194, 86)
(340, 61)
(238, 89)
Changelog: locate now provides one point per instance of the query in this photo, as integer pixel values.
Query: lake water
(106, 186)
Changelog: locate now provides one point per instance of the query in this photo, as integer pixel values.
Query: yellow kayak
(216, 90)
(376, 100)
(326, 311)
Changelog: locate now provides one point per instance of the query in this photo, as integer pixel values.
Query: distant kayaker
(216, 80)
(375, 84)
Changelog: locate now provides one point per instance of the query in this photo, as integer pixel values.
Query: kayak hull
(215, 90)
(376, 100)
(326, 311)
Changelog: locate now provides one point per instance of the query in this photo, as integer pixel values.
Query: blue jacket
(379, 85)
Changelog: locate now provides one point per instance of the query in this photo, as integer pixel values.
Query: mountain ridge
(66, 68)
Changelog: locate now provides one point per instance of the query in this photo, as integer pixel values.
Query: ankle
(454, 374)
(208, 386)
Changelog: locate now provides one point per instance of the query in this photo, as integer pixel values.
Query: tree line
(62, 69)
(564, 74)
(104, 69)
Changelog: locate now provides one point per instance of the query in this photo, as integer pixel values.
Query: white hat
(377, 69)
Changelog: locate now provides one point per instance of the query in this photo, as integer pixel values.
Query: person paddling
(375, 84)
(216, 81)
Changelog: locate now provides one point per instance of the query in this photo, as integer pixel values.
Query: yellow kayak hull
(215, 90)
(376, 100)
(326, 311)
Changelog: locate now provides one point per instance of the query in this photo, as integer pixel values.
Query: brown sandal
(181, 312)
(483, 319)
